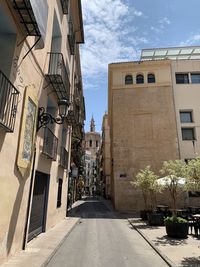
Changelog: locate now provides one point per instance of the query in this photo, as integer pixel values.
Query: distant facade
(92, 146)
(105, 159)
(39, 71)
(153, 116)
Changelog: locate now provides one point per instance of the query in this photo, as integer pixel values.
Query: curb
(60, 244)
(165, 258)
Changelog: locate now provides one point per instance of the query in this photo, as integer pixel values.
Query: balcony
(57, 75)
(64, 155)
(50, 144)
(64, 4)
(27, 17)
(71, 38)
(8, 103)
(73, 112)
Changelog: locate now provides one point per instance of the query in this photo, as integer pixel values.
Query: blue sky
(117, 30)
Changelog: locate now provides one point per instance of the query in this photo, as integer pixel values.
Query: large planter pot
(155, 219)
(177, 230)
(144, 214)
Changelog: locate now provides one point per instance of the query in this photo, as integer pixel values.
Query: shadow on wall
(16, 210)
(2, 137)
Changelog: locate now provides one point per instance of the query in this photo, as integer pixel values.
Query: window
(97, 143)
(182, 78)
(151, 78)
(140, 78)
(128, 79)
(195, 77)
(186, 116)
(59, 195)
(90, 143)
(187, 133)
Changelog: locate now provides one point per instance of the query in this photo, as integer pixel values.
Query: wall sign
(28, 130)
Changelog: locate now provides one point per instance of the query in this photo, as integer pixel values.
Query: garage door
(39, 205)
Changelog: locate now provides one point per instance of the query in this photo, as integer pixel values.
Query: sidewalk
(41, 249)
(176, 252)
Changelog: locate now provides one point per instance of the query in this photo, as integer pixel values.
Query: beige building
(92, 146)
(39, 70)
(153, 116)
(105, 158)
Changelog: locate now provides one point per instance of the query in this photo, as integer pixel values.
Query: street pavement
(94, 235)
(103, 239)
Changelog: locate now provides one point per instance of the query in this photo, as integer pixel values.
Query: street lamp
(44, 117)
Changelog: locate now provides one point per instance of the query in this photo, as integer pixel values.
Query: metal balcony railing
(8, 103)
(64, 4)
(73, 113)
(50, 144)
(58, 76)
(64, 155)
(27, 17)
(71, 38)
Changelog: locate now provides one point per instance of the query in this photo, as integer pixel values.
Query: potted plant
(174, 183)
(146, 181)
(176, 227)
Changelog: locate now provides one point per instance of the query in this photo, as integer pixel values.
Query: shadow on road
(94, 207)
(191, 261)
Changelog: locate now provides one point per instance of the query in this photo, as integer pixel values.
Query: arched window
(128, 79)
(151, 78)
(139, 78)
(90, 143)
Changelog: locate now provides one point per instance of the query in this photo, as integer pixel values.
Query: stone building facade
(105, 158)
(39, 71)
(92, 146)
(153, 116)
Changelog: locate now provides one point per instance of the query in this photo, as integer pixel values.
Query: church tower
(92, 125)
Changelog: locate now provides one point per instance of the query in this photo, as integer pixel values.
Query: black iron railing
(8, 103)
(27, 17)
(50, 144)
(58, 75)
(73, 112)
(64, 155)
(71, 38)
(64, 4)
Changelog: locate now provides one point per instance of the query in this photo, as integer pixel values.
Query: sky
(117, 31)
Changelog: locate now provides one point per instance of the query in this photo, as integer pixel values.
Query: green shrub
(174, 219)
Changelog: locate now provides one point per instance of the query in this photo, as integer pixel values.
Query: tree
(193, 174)
(146, 180)
(174, 171)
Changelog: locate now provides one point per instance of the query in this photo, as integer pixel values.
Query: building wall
(143, 126)
(106, 155)
(187, 99)
(22, 72)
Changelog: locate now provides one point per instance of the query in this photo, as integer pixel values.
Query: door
(39, 205)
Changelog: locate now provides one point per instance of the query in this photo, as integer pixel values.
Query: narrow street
(105, 240)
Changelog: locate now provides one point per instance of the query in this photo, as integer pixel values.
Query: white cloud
(192, 40)
(161, 25)
(164, 21)
(109, 35)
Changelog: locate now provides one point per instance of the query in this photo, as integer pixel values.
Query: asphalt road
(103, 240)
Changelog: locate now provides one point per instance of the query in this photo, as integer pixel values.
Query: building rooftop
(173, 53)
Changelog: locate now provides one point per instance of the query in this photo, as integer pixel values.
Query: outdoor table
(194, 209)
(162, 209)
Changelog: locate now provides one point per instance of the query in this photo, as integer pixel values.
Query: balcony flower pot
(176, 227)
(155, 219)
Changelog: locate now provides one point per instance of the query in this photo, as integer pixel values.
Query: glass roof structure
(173, 53)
